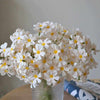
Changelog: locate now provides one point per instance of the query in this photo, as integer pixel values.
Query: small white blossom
(4, 50)
(38, 50)
(51, 77)
(44, 43)
(36, 79)
(29, 40)
(54, 51)
(18, 36)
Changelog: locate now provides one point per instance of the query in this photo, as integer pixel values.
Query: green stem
(45, 94)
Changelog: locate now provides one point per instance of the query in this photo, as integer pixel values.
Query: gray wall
(83, 14)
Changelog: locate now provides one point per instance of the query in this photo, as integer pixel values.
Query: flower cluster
(52, 54)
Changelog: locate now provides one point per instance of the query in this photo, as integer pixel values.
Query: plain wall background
(83, 14)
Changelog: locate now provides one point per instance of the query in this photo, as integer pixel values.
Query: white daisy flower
(38, 50)
(11, 50)
(36, 79)
(63, 70)
(4, 71)
(44, 43)
(65, 31)
(51, 77)
(61, 61)
(29, 40)
(62, 47)
(82, 54)
(39, 26)
(21, 76)
(4, 67)
(3, 47)
(4, 50)
(20, 59)
(54, 51)
(18, 36)
(48, 27)
(3, 64)
(52, 68)
(76, 40)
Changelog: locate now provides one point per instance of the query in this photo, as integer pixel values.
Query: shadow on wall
(13, 14)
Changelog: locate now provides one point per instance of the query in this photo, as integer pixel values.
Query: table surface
(25, 93)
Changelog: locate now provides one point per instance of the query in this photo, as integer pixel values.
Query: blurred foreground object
(83, 91)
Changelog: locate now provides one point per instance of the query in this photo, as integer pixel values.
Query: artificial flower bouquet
(49, 56)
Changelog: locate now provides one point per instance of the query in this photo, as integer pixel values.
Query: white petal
(3, 46)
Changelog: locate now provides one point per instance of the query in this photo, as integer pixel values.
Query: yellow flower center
(20, 60)
(72, 63)
(65, 31)
(58, 81)
(62, 50)
(18, 38)
(80, 56)
(48, 26)
(35, 76)
(28, 40)
(38, 51)
(70, 47)
(23, 57)
(17, 66)
(4, 50)
(1, 66)
(60, 59)
(11, 49)
(4, 64)
(44, 61)
(44, 71)
(75, 41)
(86, 42)
(51, 76)
(14, 57)
(84, 66)
(6, 71)
(55, 51)
(36, 66)
(32, 61)
(40, 25)
(52, 33)
(43, 44)
(61, 68)
(23, 76)
(85, 74)
(88, 55)
(64, 45)
(91, 60)
(27, 68)
(52, 68)
(75, 69)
